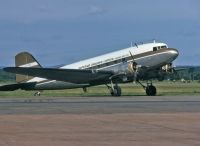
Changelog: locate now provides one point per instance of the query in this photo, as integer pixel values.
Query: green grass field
(163, 89)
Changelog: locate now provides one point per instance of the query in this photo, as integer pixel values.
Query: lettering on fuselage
(104, 63)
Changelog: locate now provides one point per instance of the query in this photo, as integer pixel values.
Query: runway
(97, 121)
(99, 105)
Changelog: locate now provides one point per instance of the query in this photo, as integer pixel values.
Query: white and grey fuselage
(151, 56)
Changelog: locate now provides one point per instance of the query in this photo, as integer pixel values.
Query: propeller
(170, 69)
(131, 55)
(174, 71)
(133, 64)
(133, 67)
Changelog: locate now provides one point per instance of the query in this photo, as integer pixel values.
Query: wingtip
(5, 68)
(8, 69)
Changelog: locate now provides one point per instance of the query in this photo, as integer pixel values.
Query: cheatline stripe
(29, 64)
(128, 59)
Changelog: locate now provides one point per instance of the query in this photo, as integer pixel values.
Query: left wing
(12, 87)
(68, 75)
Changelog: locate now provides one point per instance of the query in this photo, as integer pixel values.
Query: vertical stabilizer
(25, 59)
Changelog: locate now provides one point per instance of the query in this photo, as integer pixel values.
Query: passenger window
(154, 48)
(123, 60)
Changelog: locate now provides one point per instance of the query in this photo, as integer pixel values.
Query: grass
(163, 89)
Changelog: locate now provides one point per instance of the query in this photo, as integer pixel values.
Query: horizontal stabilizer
(68, 75)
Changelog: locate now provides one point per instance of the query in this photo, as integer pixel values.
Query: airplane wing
(12, 87)
(68, 75)
(186, 67)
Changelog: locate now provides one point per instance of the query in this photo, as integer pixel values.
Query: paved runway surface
(99, 105)
(96, 121)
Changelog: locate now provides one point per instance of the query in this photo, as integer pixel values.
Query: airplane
(141, 62)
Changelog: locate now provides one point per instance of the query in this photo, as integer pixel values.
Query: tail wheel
(151, 90)
(38, 93)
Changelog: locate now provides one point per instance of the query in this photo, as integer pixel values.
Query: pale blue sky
(64, 31)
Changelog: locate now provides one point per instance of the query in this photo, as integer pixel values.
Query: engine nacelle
(133, 67)
(168, 68)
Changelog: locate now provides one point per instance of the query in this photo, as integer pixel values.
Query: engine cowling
(168, 68)
(132, 67)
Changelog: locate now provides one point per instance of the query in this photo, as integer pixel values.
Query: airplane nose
(174, 53)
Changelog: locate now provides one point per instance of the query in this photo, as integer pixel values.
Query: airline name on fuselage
(103, 61)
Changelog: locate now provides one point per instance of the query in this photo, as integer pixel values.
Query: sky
(66, 31)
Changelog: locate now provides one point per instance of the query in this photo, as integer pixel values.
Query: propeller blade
(134, 68)
(131, 55)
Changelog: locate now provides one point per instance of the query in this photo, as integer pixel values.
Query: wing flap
(67, 75)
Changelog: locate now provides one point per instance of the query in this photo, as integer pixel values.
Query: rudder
(25, 59)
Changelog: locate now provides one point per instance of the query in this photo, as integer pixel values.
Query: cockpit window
(163, 47)
(159, 47)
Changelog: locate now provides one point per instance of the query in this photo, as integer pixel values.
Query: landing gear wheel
(116, 91)
(37, 93)
(151, 90)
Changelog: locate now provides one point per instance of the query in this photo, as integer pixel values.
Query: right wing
(78, 76)
(185, 67)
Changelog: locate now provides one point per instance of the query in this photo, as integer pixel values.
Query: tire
(116, 92)
(151, 90)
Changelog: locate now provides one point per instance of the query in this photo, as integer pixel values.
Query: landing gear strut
(84, 89)
(150, 89)
(115, 90)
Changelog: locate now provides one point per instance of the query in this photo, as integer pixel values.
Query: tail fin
(25, 59)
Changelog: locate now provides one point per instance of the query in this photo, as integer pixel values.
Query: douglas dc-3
(134, 64)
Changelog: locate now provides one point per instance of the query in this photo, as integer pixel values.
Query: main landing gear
(115, 90)
(150, 89)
